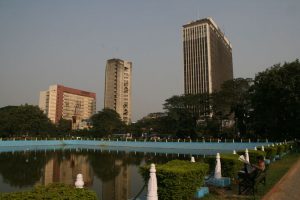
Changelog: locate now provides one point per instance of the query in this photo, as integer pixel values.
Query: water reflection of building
(65, 170)
(119, 187)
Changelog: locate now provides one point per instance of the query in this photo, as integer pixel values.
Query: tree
(232, 102)
(24, 120)
(275, 98)
(107, 122)
(185, 110)
(161, 125)
(64, 125)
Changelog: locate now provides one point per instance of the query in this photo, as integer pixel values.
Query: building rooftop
(208, 20)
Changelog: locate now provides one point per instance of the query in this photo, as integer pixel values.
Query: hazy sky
(68, 42)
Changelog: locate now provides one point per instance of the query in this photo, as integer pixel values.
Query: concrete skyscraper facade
(118, 87)
(207, 57)
(67, 103)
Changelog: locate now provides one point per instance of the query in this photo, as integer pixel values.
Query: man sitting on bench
(252, 175)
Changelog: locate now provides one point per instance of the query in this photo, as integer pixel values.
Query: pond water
(113, 175)
(109, 168)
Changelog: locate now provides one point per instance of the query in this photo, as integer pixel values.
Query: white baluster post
(218, 174)
(152, 184)
(79, 181)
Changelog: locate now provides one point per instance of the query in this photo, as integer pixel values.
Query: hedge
(271, 152)
(177, 179)
(229, 163)
(253, 154)
(51, 191)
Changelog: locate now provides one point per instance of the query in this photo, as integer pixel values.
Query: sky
(68, 42)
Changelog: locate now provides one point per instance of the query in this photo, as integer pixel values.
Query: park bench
(248, 182)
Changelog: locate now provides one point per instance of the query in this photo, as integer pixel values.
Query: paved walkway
(288, 188)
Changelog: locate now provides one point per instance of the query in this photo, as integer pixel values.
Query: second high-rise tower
(118, 87)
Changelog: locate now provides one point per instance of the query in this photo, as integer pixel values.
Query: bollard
(152, 184)
(246, 155)
(255, 148)
(218, 174)
(178, 140)
(192, 159)
(234, 152)
(262, 148)
(79, 181)
(232, 140)
(249, 140)
(241, 140)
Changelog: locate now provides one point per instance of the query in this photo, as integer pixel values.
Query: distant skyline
(68, 42)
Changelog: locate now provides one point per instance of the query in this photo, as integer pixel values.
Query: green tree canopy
(161, 125)
(64, 125)
(232, 102)
(24, 120)
(107, 122)
(185, 110)
(275, 98)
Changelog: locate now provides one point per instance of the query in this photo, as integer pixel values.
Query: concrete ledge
(201, 192)
(176, 145)
(267, 161)
(220, 182)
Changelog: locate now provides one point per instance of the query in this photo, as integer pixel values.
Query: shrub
(286, 147)
(270, 152)
(280, 149)
(177, 179)
(253, 154)
(51, 191)
(229, 163)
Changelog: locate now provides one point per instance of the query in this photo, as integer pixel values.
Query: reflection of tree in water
(106, 166)
(133, 158)
(22, 168)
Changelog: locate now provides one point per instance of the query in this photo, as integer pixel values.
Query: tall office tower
(67, 103)
(118, 87)
(207, 57)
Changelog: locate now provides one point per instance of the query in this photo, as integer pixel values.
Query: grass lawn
(275, 172)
